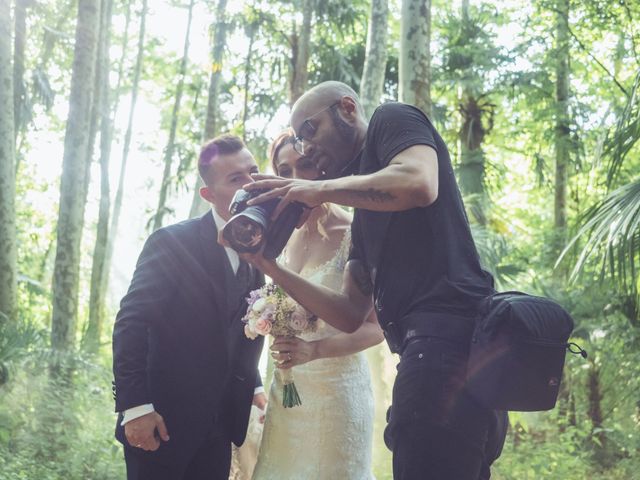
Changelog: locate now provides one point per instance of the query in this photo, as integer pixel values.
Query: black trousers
(210, 461)
(435, 429)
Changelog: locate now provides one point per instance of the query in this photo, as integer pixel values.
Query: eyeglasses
(307, 130)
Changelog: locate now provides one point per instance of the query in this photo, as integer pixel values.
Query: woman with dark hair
(330, 434)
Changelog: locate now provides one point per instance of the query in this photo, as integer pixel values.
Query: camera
(251, 226)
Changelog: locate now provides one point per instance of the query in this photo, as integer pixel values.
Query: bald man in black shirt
(414, 256)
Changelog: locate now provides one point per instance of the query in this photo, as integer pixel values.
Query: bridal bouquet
(272, 311)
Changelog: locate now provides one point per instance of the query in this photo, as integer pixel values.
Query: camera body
(251, 227)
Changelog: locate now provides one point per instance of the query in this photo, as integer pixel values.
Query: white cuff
(258, 390)
(135, 412)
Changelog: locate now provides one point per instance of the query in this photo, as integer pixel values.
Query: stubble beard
(347, 135)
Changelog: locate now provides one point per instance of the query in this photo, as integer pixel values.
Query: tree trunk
(72, 185)
(168, 151)
(415, 54)
(123, 56)
(117, 203)
(91, 341)
(300, 53)
(102, 258)
(563, 404)
(247, 76)
(595, 405)
(19, 92)
(472, 133)
(198, 205)
(8, 255)
(375, 60)
(563, 123)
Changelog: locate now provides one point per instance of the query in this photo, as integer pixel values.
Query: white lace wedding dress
(329, 436)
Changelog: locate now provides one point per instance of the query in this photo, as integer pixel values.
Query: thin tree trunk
(106, 137)
(91, 341)
(595, 404)
(375, 60)
(8, 255)
(198, 205)
(415, 54)
(72, 188)
(117, 203)
(563, 404)
(472, 133)
(247, 77)
(300, 44)
(123, 56)
(219, 44)
(563, 122)
(19, 92)
(169, 149)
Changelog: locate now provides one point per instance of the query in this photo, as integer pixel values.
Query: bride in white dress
(329, 436)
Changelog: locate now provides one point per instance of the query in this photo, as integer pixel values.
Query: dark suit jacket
(179, 343)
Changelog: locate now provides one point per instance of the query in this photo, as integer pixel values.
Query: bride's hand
(256, 259)
(263, 264)
(291, 351)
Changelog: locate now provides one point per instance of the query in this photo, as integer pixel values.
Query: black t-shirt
(422, 260)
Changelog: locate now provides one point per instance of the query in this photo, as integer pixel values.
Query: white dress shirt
(234, 260)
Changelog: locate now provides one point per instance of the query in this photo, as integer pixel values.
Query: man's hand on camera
(307, 192)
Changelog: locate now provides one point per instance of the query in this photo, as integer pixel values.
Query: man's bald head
(330, 126)
(323, 95)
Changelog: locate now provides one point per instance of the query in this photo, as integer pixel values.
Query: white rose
(259, 305)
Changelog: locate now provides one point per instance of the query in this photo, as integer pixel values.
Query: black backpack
(517, 352)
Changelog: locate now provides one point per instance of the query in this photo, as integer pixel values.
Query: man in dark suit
(185, 373)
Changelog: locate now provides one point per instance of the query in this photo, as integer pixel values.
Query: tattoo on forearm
(361, 277)
(371, 194)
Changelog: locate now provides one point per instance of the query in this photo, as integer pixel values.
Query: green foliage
(531, 454)
(51, 431)
(17, 339)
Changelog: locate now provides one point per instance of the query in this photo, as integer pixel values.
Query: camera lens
(245, 231)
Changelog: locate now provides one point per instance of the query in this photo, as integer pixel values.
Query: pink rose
(250, 333)
(299, 319)
(263, 326)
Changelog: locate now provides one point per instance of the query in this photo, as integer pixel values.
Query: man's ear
(207, 195)
(348, 107)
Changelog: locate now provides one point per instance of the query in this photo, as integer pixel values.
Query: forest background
(104, 104)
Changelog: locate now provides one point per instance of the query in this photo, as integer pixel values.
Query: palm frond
(493, 249)
(626, 134)
(612, 232)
